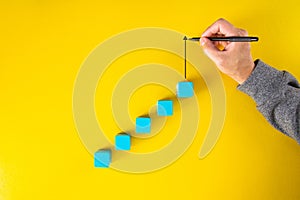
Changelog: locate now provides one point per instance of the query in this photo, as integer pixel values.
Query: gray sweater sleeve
(277, 97)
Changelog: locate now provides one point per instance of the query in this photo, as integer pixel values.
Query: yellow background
(43, 44)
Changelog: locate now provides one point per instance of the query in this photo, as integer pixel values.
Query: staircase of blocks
(103, 157)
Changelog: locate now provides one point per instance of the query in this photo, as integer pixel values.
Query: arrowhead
(185, 38)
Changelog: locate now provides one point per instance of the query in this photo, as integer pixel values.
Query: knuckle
(243, 32)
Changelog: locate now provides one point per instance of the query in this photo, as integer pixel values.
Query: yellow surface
(43, 44)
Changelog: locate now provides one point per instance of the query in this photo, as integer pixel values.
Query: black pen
(229, 39)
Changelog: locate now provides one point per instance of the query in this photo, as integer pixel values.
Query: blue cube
(102, 158)
(165, 108)
(143, 125)
(185, 89)
(122, 141)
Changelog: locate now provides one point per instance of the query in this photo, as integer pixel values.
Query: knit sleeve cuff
(263, 83)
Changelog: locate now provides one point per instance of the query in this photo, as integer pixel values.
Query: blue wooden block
(143, 125)
(165, 108)
(185, 89)
(102, 158)
(122, 141)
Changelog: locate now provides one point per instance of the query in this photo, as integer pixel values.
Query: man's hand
(232, 58)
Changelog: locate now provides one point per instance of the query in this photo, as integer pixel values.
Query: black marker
(229, 39)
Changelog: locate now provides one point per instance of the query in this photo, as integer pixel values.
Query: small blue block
(143, 125)
(122, 141)
(102, 158)
(185, 89)
(165, 108)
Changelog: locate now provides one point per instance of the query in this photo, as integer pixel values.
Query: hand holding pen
(229, 48)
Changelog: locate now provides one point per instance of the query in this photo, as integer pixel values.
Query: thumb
(209, 48)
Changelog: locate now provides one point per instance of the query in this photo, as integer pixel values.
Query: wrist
(244, 73)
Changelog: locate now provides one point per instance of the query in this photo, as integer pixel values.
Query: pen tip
(185, 38)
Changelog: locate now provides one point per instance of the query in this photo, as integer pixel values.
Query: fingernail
(202, 41)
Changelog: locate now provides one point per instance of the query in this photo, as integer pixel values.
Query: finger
(220, 26)
(233, 45)
(242, 32)
(211, 50)
(221, 45)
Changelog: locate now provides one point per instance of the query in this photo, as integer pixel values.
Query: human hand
(232, 58)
